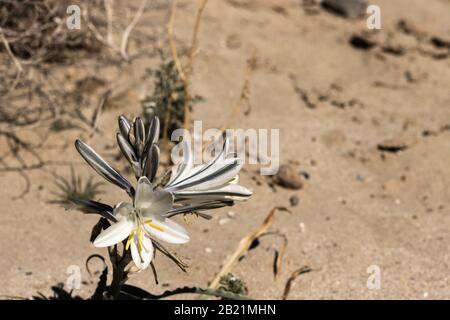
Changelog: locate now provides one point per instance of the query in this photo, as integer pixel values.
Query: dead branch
(96, 33)
(129, 28)
(244, 245)
(173, 48)
(10, 53)
(109, 18)
(193, 51)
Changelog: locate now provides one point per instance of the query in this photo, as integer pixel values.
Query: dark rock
(346, 8)
(440, 42)
(392, 145)
(361, 42)
(305, 174)
(394, 50)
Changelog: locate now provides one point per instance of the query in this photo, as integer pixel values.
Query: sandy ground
(334, 104)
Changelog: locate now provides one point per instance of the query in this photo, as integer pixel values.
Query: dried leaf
(294, 275)
(244, 246)
(279, 254)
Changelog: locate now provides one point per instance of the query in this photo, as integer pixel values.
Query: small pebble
(231, 214)
(302, 227)
(224, 220)
(305, 174)
(393, 145)
(288, 177)
(208, 250)
(294, 200)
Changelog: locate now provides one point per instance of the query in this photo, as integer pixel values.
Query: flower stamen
(130, 238)
(154, 226)
(141, 236)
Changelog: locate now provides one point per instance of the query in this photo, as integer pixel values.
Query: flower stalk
(119, 276)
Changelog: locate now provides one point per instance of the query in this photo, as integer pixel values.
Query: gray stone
(294, 200)
(347, 8)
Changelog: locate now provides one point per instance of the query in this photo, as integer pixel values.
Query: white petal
(123, 210)
(115, 233)
(235, 189)
(184, 167)
(144, 193)
(228, 192)
(142, 259)
(198, 170)
(226, 148)
(235, 180)
(162, 202)
(168, 230)
(216, 175)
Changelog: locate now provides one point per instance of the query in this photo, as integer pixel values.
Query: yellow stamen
(141, 236)
(130, 237)
(151, 224)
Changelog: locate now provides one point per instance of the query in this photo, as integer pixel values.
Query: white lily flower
(216, 180)
(141, 222)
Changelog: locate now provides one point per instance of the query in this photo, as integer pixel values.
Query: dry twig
(109, 24)
(244, 246)
(193, 52)
(173, 48)
(129, 28)
(279, 254)
(294, 275)
(10, 53)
